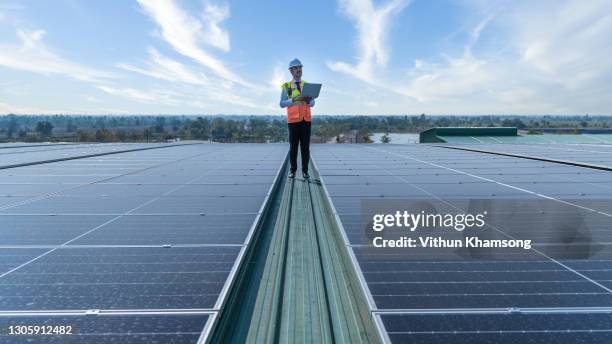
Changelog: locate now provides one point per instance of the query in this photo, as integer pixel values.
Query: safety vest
(300, 111)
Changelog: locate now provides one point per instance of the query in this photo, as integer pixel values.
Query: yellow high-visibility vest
(300, 111)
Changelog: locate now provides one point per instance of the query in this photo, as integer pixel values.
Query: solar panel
(148, 240)
(202, 205)
(499, 328)
(120, 278)
(44, 229)
(596, 154)
(105, 328)
(11, 145)
(36, 153)
(229, 229)
(11, 258)
(459, 296)
(78, 205)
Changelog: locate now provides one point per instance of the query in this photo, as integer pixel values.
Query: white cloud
(32, 55)
(198, 97)
(27, 110)
(372, 24)
(151, 96)
(197, 90)
(458, 77)
(162, 67)
(475, 34)
(30, 39)
(214, 34)
(214, 97)
(569, 43)
(554, 59)
(184, 33)
(508, 56)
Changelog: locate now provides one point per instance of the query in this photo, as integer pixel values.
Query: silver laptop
(311, 90)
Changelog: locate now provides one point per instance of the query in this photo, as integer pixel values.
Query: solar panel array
(524, 295)
(11, 145)
(595, 154)
(546, 139)
(15, 154)
(131, 247)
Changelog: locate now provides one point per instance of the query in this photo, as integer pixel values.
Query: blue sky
(373, 57)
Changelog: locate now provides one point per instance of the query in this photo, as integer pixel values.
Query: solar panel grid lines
(160, 251)
(123, 246)
(500, 183)
(114, 278)
(117, 328)
(579, 280)
(514, 187)
(505, 234)
(174, 189)
(133, 172)
(25, 145)
(436, 197)
(4, 153)
(564, 151)
(93, 182)
(600, 155)
(499, 327)
(56, 247)
(135, 230)
(533, 140)
(29, 156)
(100, 150)
(139, 266)
(4, 150)
(162, 311)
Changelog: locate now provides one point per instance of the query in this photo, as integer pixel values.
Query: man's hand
(300, 98)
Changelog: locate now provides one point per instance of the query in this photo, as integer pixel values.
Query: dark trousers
(299, 134)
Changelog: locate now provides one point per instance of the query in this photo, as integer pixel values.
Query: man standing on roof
(298, 118)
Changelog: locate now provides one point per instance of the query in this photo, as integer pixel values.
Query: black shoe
(291, 175)
(305, 175)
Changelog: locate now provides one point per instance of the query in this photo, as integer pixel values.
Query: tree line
(76, 128)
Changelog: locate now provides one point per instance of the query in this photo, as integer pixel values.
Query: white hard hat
(295, 63)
